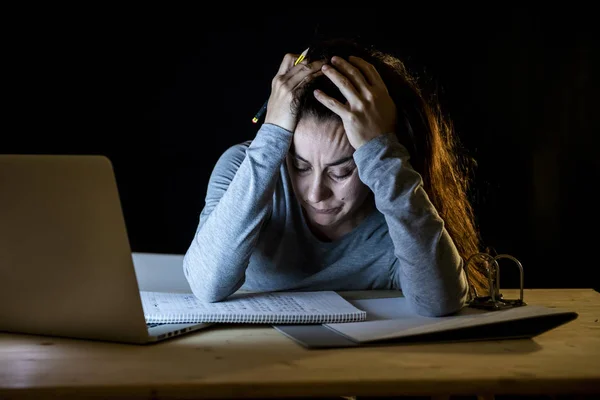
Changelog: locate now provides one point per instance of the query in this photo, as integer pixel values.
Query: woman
(351, 183)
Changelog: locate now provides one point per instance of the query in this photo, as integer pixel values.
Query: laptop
(66, 266)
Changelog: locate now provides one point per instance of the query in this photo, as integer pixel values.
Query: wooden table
(258, 361)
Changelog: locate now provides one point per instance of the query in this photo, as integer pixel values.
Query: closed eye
(297, 168)
(342, 176)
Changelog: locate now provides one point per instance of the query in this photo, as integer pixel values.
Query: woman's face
(324, 175)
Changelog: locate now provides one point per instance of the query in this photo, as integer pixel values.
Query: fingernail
(325, 66)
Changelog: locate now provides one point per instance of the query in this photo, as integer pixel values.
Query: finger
(287, 63)
(307, 79)
(301, 71)
(332, 104)
(343, 83)
(312, 76)
(353, 73)
(367, 69)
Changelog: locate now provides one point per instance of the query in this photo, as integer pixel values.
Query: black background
(163, 93)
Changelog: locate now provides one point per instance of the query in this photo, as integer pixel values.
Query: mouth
(326, 211)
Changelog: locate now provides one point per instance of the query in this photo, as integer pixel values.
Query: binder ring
(494, 300)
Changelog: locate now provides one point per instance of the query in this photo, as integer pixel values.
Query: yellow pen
(264, 107)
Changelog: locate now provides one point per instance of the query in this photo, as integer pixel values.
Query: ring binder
(494, 301)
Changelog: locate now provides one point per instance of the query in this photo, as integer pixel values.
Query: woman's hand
(289, 76)
(369, 110)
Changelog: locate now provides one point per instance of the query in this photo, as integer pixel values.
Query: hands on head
(289, 77)
(367, 112)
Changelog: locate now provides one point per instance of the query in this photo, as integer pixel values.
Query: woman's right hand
(288, 78)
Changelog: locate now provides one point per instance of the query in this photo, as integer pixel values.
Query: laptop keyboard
(153, 324)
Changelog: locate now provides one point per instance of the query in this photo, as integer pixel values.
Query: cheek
(352, 190)
(299, 184)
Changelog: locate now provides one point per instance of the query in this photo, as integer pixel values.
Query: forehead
(321, 139)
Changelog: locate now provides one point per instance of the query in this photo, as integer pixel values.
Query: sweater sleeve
(428, 267)
(238, 202)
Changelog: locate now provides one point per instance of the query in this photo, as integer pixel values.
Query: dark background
(163, 93)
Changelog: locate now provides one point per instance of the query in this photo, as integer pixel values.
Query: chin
(326, 219)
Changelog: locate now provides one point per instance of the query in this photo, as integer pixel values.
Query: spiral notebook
(315, 307)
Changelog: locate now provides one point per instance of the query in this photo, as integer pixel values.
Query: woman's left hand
(369, 110)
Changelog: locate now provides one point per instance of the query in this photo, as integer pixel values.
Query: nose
(318, 191)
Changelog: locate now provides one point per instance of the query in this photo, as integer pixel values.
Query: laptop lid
(66, 267)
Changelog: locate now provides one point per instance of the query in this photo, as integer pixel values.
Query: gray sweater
(252, 234)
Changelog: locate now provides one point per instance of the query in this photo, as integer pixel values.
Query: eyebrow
(338, 162)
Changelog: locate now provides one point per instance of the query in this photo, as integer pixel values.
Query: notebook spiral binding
(494, 301)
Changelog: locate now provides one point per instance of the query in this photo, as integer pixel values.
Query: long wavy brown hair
(434, 148)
